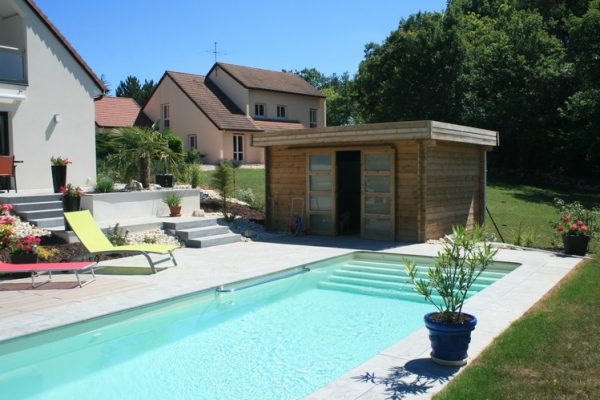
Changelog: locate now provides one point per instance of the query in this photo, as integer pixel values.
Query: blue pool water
(279, 340)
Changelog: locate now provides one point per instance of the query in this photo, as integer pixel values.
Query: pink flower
(574, 227)
(7, 207)
(566, 218)
(580, 223)
(584, 228)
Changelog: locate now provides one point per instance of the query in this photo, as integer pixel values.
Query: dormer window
(281, 112)
(259, 110)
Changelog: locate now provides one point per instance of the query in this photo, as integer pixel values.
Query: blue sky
(146, 37)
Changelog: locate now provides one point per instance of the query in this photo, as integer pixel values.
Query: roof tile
(213, 102)
(262, 79)
(119, 112)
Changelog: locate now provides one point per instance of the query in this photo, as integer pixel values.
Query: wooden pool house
(403, 181)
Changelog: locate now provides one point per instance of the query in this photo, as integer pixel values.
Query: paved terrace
(402, 370)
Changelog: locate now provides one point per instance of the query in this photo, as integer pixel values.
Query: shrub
(172, 199)
(195, 173)
(193, 156)
(104, 184)
(116, 235)
(222, 181)
(245, 195)
(456, 268)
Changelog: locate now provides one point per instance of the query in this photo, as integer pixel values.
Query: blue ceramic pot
(449, 341)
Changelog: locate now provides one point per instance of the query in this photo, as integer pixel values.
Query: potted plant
(59, 172)
(71, 200)
(19, 239)
(575, 235)
(577, 225)
(173, 200)
(456, 268)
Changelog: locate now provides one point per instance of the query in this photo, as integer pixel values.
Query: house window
(192, 142)
(259, 110)
(238, 147)
(313, 117)
(281, 112)
(166, 115)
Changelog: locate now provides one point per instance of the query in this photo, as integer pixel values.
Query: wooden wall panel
(407, 191)
(286, 175)
(453, 194)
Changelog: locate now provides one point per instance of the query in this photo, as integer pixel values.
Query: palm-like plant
(137, 148)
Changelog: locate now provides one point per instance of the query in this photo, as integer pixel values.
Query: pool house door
(378, 194)
(321, 210)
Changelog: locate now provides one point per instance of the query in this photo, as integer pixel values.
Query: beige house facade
(47, 97)
(217, 113)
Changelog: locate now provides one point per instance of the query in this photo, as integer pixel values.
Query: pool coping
(404, 370)
(401, 369)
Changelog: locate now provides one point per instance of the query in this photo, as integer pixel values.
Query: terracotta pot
(175, 211)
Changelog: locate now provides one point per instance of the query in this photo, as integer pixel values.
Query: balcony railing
(12, 65)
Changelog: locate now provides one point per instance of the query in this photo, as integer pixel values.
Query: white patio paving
(403, 369)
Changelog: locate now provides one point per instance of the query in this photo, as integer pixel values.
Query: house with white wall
(217, 113)
(47, 96)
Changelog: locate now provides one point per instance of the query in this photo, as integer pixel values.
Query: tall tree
(339, 90)
(581, 141)
(412, 75)
(132, 87)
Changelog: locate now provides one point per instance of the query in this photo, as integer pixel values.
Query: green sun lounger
(93, 239)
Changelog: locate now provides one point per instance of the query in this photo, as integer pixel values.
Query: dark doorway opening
(4, 145)
(348, 192)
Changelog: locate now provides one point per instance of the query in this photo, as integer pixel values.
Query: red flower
(584, 228)
(560, 228)
(580, 223)
(574, 227)
(566, 218)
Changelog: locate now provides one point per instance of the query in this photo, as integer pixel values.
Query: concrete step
(30, 198)
(40, 214)
(189, 224)
(194, 233)
(216, 240)
(42, 205)
(48, 222)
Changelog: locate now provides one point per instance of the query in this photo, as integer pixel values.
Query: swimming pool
(277, 340)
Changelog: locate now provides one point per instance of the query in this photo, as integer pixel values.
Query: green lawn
(529, 210)
(551, 353)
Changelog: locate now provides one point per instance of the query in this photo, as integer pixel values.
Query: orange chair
(7, 168)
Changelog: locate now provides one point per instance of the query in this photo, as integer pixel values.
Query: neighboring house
(217, 113)
(118, 112)
(47, 97)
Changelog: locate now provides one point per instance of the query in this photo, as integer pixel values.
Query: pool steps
(388, 279)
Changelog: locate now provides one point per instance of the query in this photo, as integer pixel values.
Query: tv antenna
(216, 52)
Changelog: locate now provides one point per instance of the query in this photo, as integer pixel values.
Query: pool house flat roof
(386, 131)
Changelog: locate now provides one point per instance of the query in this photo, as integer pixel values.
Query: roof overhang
(387, 131)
